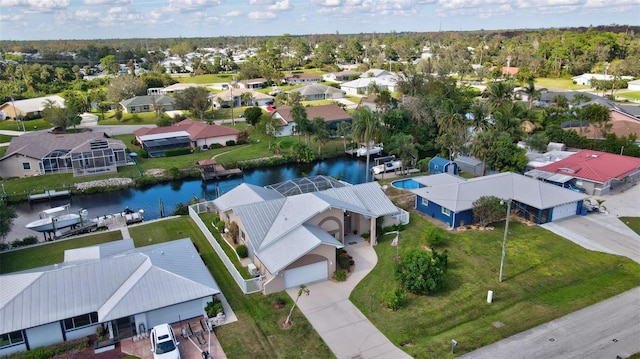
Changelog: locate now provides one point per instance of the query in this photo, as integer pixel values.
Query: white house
(585, 79)
(126, 290)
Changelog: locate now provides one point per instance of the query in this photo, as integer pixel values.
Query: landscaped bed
(546, 277)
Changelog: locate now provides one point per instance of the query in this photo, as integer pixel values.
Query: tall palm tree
(403, 146)
(509, 118)
(366, 128)
(480, 112)
(451, 127)
(343, 129)
(321, 131)
(480, 147)
(499, 92)
(299, 115)
(532, 92)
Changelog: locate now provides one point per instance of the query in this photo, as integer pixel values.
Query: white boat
(128, 216)
(386, 167)
(374, 150)
(56, 218)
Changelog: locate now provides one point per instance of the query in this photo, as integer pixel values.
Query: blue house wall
(434, 210)
(442, 165)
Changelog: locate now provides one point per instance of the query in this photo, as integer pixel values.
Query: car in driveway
(164, 344)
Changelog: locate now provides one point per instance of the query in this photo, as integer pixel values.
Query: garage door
(306, 274)
(564, 211)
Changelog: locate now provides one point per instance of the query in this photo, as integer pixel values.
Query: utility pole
(504, 240)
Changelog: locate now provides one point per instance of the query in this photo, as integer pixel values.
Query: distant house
(292, 229)
(319, 92)
(171, 89)
(363, 85)
(585, 79)
(85, 153)
(620, 123)
(233, 96)
(341, 76)
(258, 83)
(332, 115)
(186, 133)
(29, 108)
(633, 85)
(596, 172)
(126, 290)
(302, 79)
(147, 103)
(442, 165)
(449, 198)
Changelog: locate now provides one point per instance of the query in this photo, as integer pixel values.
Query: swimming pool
(406, 184)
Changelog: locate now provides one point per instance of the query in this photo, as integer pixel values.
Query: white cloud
(11, 18)
(262, 15)
(37, 5)
(281, 6)
(234, 13)
(261, 2)
(107, 2)
(192, 5)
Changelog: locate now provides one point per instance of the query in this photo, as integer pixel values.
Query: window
(12, 338)
(80, 321)
(425, 202)
(26, 165)
(446, 212)
(242, 235)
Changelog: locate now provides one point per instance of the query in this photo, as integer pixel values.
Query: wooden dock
(396, 174)
(210, 170)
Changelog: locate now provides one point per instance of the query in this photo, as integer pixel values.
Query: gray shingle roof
(134, 282)
(148, 100)
(39, 144)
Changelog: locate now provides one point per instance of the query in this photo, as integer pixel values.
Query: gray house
(147, 103)
(126, 290)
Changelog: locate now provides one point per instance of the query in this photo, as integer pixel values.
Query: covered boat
(56, 218)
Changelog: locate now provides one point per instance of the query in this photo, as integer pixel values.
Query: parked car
(164, 344)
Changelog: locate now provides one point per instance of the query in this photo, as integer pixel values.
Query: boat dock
(48, 194)
(395, 174)
(210, 170)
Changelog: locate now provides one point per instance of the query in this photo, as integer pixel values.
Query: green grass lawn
(206, 79)
(632, 222)
(632, 94)
(29, 125)
(51, 252)
(6, 138)
(546, 277)
(556, 83)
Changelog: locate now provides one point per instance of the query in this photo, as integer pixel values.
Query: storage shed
(442, 165)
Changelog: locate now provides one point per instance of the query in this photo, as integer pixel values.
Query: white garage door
(306, 274)
(565, 210)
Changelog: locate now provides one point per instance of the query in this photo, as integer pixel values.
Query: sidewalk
(347, 332)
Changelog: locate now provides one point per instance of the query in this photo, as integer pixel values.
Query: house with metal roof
(318, 92)
(28, 108)
(597, 172)
(449, 198)
(292, 229)
(147, 103)
(85, 153)
(126, 290)
(186, 133)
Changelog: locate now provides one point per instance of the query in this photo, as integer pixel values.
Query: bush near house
(422, 273)
(242, 251)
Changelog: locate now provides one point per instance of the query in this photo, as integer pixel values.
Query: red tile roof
(196, 130)
(595, 166)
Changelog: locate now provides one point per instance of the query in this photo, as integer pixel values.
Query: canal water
(169, 195)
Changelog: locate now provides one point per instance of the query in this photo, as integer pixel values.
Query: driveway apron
(347, 332)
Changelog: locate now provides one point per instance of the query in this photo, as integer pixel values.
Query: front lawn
(546, 277)
(559, 84)
(632, 94)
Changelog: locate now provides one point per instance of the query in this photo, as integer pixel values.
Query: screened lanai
(306, 184)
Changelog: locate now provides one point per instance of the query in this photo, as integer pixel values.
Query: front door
(125, 327)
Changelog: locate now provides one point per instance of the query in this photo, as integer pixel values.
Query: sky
(108, 19)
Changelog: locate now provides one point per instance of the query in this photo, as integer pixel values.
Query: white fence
(247, 286)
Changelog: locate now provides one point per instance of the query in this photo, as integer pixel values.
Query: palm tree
(509, 118)
(322, 132)
(532, 92)
(299, 115)
(451, 127)
(499, 92)
(480, 146)
(303, 290)
(366, 128)
(246, 98)
(479, 111)
(403, 146)
(343, 130)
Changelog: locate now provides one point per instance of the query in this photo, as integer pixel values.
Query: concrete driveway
(347, 332)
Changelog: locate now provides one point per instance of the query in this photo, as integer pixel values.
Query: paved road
(347, 332)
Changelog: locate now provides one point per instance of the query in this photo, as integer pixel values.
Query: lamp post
(504, 240)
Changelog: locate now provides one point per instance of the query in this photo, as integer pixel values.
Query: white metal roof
(244, 194)
(461, 195)
(130, 283)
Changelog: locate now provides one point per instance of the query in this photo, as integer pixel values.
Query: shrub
(215, 145)
(177, 152)
(394, 299)
(175, 173)
(340, 275)
(214, 307)
(280, 301)
(231, 143)
(181, 209)
(242, 251)
(434, 236)
(143, 154)
(344, 261)
(220, 226)
(422, 273)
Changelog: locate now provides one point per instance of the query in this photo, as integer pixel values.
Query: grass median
(546, 277)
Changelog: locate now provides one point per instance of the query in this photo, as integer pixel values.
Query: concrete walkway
(347, 332)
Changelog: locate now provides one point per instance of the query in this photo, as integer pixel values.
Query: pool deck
(396, 174)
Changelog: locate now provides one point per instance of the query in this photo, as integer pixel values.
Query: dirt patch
(156, 172)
